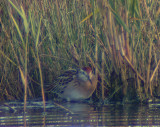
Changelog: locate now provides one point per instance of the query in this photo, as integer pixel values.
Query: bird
(74, 84)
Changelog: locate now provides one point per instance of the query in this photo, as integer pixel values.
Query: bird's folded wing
(62, 81)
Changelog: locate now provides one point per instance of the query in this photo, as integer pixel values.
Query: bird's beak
(90, 77)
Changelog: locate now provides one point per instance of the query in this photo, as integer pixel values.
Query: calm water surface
(78, 114)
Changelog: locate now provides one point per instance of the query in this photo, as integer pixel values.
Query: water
(79, 114)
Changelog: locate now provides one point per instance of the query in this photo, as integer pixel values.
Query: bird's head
(85, 74)
(88, 70)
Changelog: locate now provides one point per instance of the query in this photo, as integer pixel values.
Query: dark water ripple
(79, 114)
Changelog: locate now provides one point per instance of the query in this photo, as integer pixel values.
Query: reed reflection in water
(78, 114)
